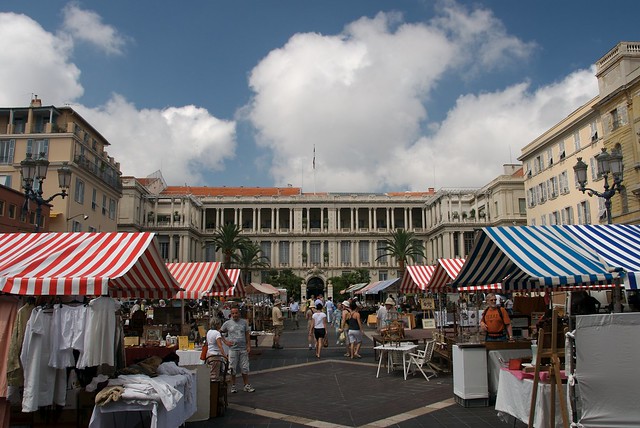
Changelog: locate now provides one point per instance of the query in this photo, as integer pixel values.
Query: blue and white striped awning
(381, 286)
(531, 257)
(617, 244)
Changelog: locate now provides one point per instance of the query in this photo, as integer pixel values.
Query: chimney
(432, 189)
(36, 102)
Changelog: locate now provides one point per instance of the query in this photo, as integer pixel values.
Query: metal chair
(422, 360)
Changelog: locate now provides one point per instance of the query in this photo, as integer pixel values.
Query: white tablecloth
(129, 413)
(494, 366)
(514, 398)
(189, 358)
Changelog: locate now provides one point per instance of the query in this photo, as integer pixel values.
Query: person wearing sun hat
(278, 323)
(386, 313)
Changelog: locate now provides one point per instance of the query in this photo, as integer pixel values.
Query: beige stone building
(610, 121)
(318, 235)
(62, 136)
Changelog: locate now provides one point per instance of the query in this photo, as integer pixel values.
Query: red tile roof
(232, 191)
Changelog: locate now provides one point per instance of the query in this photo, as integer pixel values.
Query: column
(393, 219)
(277, 224)
(259, 223)
(375, 219)
(407, 225)
(273, 218)
(357, 219)
(254, 219)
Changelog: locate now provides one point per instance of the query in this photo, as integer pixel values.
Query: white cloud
(87, 26)
(34, 62)
(184, 142)
(359, 97)
(483, 132)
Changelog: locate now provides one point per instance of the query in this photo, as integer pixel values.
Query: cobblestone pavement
(295, 389)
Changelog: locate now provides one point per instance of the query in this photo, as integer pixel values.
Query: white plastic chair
(422, 360)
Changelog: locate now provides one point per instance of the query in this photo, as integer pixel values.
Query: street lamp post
(607, 164)
(34, 172)
(84, 217)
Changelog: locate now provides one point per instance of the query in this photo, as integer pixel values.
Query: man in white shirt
(330, 309)
(294, 307)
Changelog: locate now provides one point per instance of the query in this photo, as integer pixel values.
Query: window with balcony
(38, 148)
(576, 140)
(316, 255)
(345, 253)
(6, 151)
(567, 215)
(78, 194)
(104, 206)
(283, 253)
(563, 179)
(363, 252)
(94, 199)
(584, 213)
(112, 209)
(265, 247)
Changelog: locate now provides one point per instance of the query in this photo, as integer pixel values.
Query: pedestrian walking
(355, 331)
(346, 313)
(330, 309)
(294, 308)
(278, 323)
(309, 317)
(319, 324)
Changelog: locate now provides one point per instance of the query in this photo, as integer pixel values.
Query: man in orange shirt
(495, 322)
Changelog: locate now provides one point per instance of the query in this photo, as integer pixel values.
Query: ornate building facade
(611, 120)
(317, 235)
(62, 136)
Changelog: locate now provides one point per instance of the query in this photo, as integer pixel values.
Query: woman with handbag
(216, 351)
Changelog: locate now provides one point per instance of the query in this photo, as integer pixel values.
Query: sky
(334, 95)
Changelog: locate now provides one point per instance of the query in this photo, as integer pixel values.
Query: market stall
(65, 265)
(259, 295)
(238, 287)
(551, 257)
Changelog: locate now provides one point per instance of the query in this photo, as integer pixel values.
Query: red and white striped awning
(197, 280)
(416, 279)
(445, 271)
(237, 290)
(91, 264)
(490, 287)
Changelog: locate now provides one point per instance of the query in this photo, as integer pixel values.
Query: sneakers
(248, 388)
(310, 347)
(233, 389)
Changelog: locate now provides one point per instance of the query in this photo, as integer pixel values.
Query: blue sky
(394, 94)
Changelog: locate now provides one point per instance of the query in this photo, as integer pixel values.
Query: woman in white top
(319, 325)
(215, 349)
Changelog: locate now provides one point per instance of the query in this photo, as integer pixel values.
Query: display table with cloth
(189, 357)
(134, 354)
(494, 365)
(514, 397)
(389, 349)
(134, 408)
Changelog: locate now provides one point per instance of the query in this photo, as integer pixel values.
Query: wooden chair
(422, 360)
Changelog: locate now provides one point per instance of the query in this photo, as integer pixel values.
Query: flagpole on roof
(314, 169)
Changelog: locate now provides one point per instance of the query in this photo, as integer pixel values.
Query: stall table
(189, 357)
(128, 413)
(414, 336)
(134, 354)
(494, 365)
(514, 398)
(389, 349)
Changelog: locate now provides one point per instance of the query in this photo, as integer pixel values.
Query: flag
(314, 156)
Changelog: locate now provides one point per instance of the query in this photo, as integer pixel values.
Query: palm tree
(250, 257)
(403, 245)
(228, 240)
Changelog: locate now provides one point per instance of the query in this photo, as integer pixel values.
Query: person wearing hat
(278, 323)
(386, 314)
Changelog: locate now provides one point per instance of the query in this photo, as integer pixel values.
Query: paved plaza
(294, 389)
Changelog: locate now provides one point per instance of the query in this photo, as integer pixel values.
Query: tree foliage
(228, 240)
(403, 246)
(250, 257)
(286, 279)
(345, 280)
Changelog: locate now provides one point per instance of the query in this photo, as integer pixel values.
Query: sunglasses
(492, 300)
